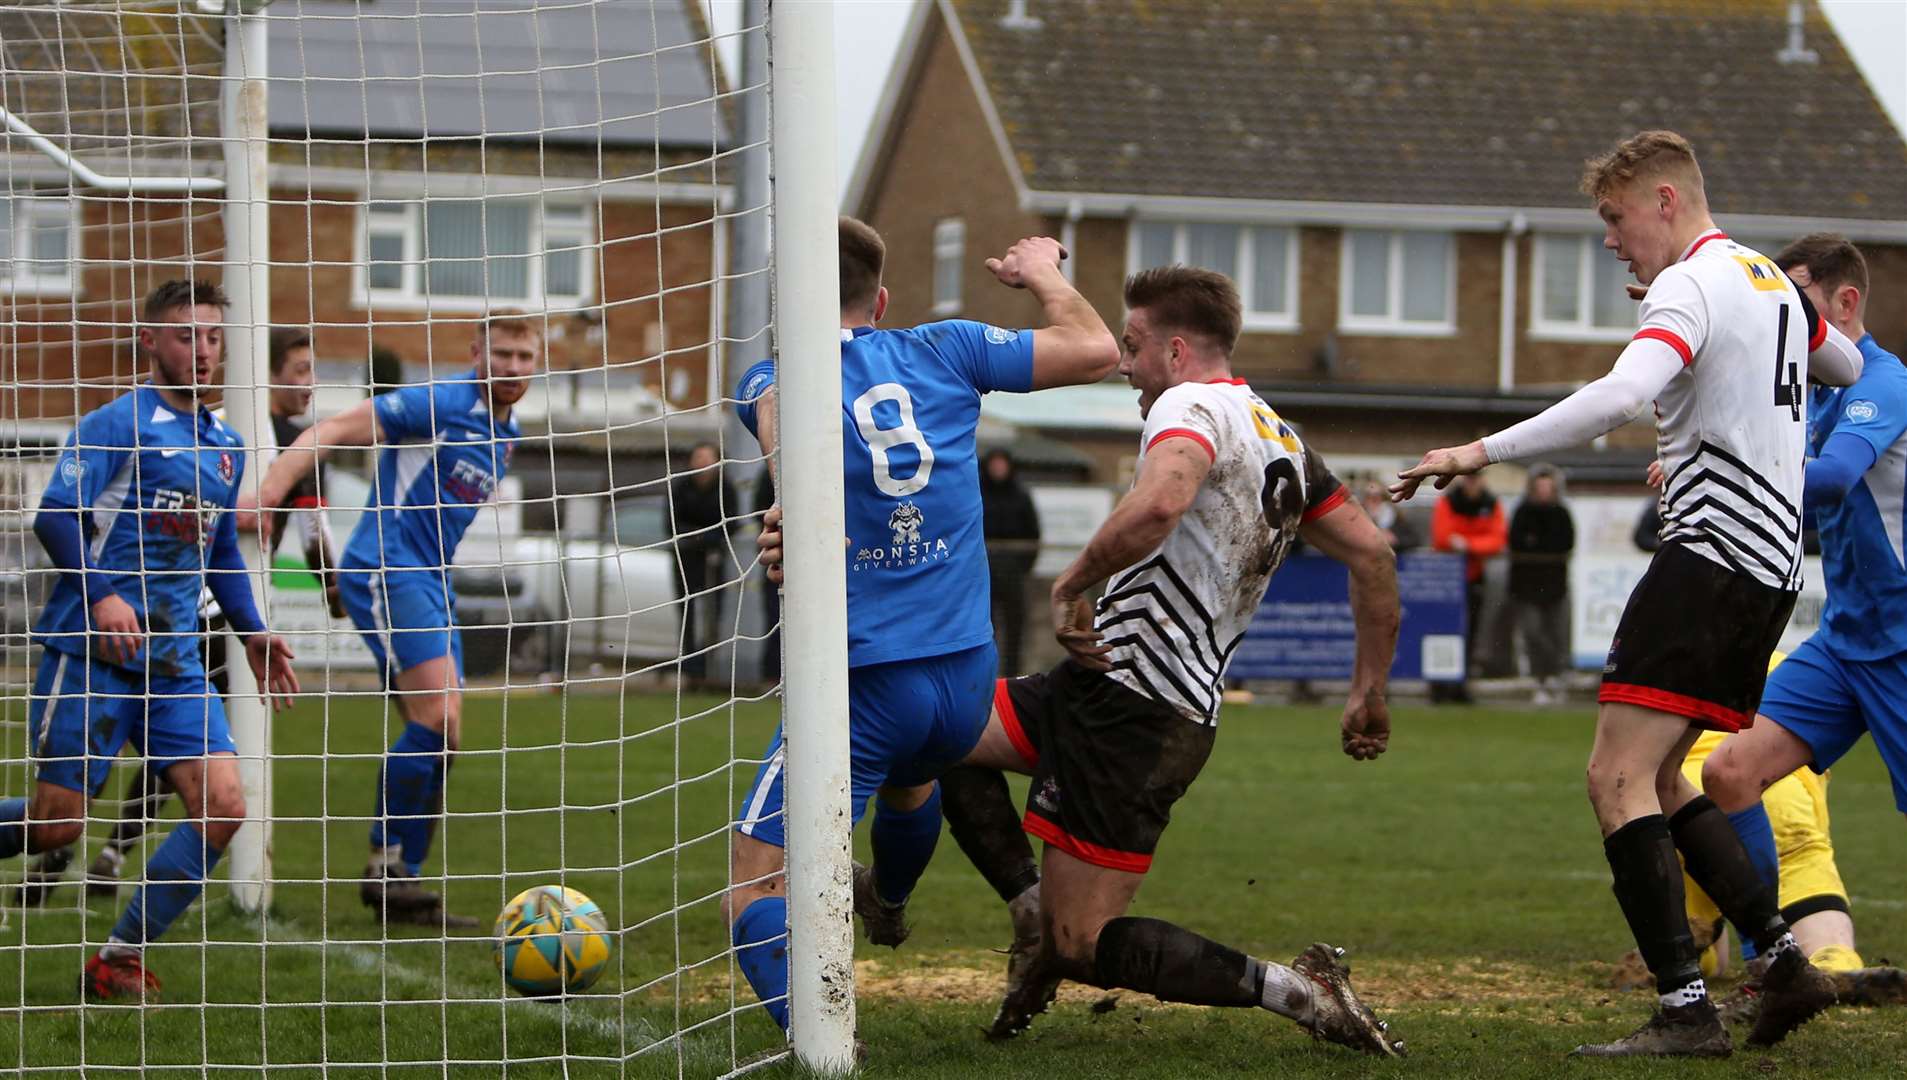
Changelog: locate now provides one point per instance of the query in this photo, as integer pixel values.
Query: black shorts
(1695, 640)
(1108, 762)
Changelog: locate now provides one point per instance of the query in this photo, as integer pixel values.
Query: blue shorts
(1829, 703)
(81, 713)
(405, 615)
(908, 721)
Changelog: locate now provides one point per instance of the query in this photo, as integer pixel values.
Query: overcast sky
(868, 33)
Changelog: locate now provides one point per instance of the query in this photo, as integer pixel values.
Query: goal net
(400, 201)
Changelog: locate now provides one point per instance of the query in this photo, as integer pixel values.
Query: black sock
(1648, 884)
(1720, 864)
(980, 814)
(1173, 964)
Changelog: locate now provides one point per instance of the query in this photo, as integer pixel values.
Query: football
(551, 940)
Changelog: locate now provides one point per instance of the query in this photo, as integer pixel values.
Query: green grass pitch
(1462, 870)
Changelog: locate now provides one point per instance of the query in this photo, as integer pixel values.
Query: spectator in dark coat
(1542, 535)
(1012, 528)
(699, 504)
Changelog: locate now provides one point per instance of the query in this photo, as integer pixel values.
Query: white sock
(1686, 995)
(1286, 992)
(115, 948)
(387, 857)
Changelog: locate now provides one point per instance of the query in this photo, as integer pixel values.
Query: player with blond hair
(1725, 349)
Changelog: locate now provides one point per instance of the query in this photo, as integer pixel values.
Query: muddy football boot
(1793, 992)
(1336, 1013)
(882, 922)
(1678, 1031)
(1030, 984)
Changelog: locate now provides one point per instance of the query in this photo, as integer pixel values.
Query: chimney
(1797, 51)
(1016, 17)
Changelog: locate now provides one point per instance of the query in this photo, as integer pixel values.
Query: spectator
(698, 518)
(1398, 532)
(1012, 527)
(770, 592)
(1468, 520)
(1541, 537)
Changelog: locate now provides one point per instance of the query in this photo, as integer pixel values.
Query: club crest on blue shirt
(228, 467)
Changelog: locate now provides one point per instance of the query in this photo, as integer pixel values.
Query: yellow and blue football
(551, 940)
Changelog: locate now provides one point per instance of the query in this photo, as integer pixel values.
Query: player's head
(292, 374)
(1649, 193)
(182, 333)
(1181, 324)
(507, 347)
(863, 255)
(1833, 272)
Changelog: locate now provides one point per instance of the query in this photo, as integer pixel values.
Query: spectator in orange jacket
(1468, 519)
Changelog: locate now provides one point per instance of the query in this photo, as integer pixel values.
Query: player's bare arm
(1174, 471)
(356, 426)
(270, 657)
(1347, 534)
(1075, 346)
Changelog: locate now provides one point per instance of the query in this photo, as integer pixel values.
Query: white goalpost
(372, 186)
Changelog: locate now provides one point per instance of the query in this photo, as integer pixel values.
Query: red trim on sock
(1131, 862)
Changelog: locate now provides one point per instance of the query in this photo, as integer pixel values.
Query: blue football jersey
(443, 458)
(1862, 556)
(910, 406)
(151, 485)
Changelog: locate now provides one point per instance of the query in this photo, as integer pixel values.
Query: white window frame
(1582, 328)
(1258, 322)
(950, 256)
(1391, 323)
(413, 295)
(36, 211)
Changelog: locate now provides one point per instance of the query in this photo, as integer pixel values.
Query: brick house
(419, 174)
(1393, 185)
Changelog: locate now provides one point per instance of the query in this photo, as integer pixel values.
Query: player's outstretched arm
(1074, 346)
(1174, 470)
(356, 426)
(1644, 368)
(1347, 534)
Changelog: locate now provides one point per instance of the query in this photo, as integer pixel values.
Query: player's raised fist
(1031, 255)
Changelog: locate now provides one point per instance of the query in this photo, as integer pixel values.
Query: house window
(950, 256)
(36, 245)
(1262, 260)
(1398, 282)
(472, 253)
(1578, 290)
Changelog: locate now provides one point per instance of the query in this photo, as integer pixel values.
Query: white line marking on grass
(371, 961)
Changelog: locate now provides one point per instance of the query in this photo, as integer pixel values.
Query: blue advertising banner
(1304, 629)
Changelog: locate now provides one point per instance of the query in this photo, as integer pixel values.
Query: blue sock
(1758, 836)
(407, 789)
(761, 949)
(12, 827)
(903, 846)
(175, 875)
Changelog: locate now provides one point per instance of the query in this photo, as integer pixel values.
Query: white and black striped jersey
(1731, 429)
(1173, 619)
